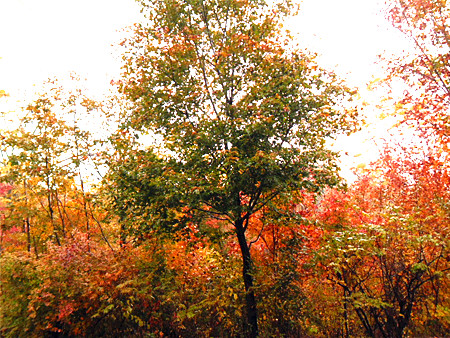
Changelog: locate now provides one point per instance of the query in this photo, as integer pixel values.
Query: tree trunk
(250, 301)
(27, 228)
(49, 201)
(27, 219)
(346, 332)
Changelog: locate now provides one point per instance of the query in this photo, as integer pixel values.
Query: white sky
(348, 35)
(41, 39)
(46, 38)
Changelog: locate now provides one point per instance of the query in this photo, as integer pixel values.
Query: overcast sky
(44, 38)
(41, 38)
(47, 38)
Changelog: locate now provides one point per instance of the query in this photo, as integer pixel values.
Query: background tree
(44, 159)
(241, 114)
(426, 70)
(386, 247)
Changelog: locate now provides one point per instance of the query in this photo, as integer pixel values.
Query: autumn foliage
(386, 250)
(235, 224)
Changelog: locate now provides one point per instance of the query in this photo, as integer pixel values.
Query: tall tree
(242, 117)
